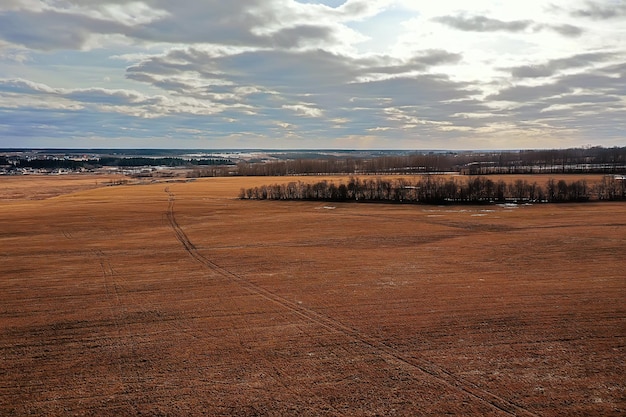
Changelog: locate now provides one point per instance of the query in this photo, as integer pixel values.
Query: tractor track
(191, 249)
(390, 354)
(125, 334)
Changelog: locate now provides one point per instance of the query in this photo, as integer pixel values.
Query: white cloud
(304, 109)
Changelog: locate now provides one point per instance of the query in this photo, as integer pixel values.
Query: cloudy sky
(289, 74)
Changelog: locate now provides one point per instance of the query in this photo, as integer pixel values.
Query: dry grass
(178, 299)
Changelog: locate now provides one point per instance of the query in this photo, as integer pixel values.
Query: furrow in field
(420, 364)
(191, 249)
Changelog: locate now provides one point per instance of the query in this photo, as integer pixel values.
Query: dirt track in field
(177, 299)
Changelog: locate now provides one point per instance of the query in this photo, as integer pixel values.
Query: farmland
(177, 298)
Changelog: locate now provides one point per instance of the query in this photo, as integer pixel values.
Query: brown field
(37, 187)
(175, 298)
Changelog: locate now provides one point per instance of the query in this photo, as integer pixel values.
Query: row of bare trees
(432, 189)
(612, 188)
(575, 160)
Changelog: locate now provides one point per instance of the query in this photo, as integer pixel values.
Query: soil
(176, 298)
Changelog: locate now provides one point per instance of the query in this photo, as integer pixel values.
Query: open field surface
(39, 187)
(175, 298)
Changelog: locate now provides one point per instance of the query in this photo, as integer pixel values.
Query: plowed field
(175, 298)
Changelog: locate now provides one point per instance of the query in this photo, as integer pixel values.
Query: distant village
(61, 163)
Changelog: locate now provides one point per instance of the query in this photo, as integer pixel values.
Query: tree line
(168, 162)
(433, 189)
(71, 164)
(574, 160)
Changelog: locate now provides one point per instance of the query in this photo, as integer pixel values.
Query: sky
(296, 74)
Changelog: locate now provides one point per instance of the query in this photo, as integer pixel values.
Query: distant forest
(578, 160)
(71, 164)
(555, 161)
(433, 189)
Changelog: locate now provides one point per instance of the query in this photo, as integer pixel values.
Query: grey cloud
(427, 89)
(567, 108)
(483, 24)
(298, 36)
(590, 114)
(532, 71)
(11, 4)
(596, 81)
(581, 60)
(268, 68)
(599, 11)
(437, 57)
(314, 83)
(52, 30)
(236, 23)
(222, 22)
(254, 23)
(170, 85)
(419, 62)
(553, 66)
(301, 71)
(296, 71)
(591, 99)
(594, 89)
(566, 30)
(141, 77)
(102, 96)
(21, 86)
(523, 93)
(90, 94)
(120, 101)
(465, 113)
(358, 9)
(154, 65)
(616, 69)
